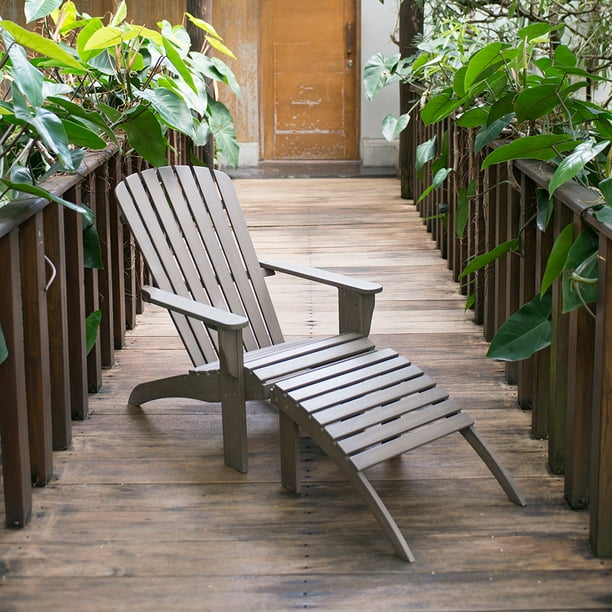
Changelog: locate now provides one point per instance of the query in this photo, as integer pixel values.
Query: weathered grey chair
(190, 229)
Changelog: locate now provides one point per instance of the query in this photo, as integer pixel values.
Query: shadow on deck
(142, 514)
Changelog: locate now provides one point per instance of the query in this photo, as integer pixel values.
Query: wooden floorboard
(142, 515)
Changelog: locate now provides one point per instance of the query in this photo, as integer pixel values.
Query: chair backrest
(190, 229)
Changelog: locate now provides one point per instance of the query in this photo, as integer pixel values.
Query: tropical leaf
(527, 331)
(87, 213)
(546, 207)
(37, 9)
(536, 102)
(216, 44)
(487, 134)
(575, 162)
(3, 348)
(203, 25)
(557, 258)
(392, 126)
(378, 72)
(39, 44)
(482, 62)
(540, 147)
(438, 179)
(145, 134)
(92, 325)
(490, 256)
(92, 254)
(440, 107)
(425, 152)
(82, 136)
(475, 117)
(222, 128)
(26, 77)
(179, 65)
(580, 272)
(171, 108)
(462, 212)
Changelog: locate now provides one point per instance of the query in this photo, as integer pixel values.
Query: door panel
(310, 79)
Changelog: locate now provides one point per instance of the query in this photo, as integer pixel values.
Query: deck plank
(142, 515)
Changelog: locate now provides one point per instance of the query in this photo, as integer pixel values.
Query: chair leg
(491, 461)
(191, 386)
(289, 443)
(383, 516)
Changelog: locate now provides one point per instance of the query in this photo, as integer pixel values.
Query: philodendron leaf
(490, 256)
(527, 331)
(463, 207)
(557, 257)
(540, 147)
(580, 272)
(546, 207)
(536, 102)
(3, 348)
(222, 128)
(379, 72)
(489, 133)
(92, 324)
(37, 9)
(575, 162)
(440, 107)
(146, 136)
(40, 44)
(425, 152)
(438, 179)
(481, 63)
(92, 254)
(87, 213)
(392, 126)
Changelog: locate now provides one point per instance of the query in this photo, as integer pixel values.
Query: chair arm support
(355, 296)
(323, 276)
(213, 317)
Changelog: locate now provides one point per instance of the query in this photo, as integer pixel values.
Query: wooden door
(310, 79)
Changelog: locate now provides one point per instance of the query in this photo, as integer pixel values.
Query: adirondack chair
(190, 229)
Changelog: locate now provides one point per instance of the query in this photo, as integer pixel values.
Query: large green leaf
(82, 136)
(392, 126)
(378, 72)
(536, 102)
(37, 9)
(145, 134)
(51, 131)
(92, 325)
(109, 36)
(40, 44)
(530, 147)
(546, 207)
(89, 117)
(3, 348)
(488, 133)
(87, 213)
(558, 257)
(490, 256)
(177, 62)
(466, 193)
(580, 272)
(440, 107)
(425, 152)
(92, 254)
(438, 179)
(222, 128)
(575, 162)
(482, 62)
(475, 117)
(26, 77)
(606, 189)
(527, 331)
(171, 108)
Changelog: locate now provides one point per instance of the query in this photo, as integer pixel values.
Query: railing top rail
(15, 213)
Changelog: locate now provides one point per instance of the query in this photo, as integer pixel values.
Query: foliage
(72, 82)
(528, 88)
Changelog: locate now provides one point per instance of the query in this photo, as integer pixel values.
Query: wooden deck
(142, 514)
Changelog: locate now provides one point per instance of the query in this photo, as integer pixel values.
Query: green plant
(532, 96)
(76, 83)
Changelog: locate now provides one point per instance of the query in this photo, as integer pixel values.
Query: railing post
(55, 249)
(116, 254)
(601, 481)
(16, 469)
(36, 343)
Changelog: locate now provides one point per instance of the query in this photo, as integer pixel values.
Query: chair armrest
(211, 316)
(323, 276)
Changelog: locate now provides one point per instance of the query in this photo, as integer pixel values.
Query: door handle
(349, 38)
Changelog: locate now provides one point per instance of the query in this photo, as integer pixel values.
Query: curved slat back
(190, 229)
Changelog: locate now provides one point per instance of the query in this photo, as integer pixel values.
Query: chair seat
(367, 409)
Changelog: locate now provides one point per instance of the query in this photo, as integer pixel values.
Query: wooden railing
(568, 386)
(46, 294)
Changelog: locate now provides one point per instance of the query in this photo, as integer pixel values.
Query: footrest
(366, 409)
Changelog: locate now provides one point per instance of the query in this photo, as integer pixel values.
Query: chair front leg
(233, 404)
(355, 311)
